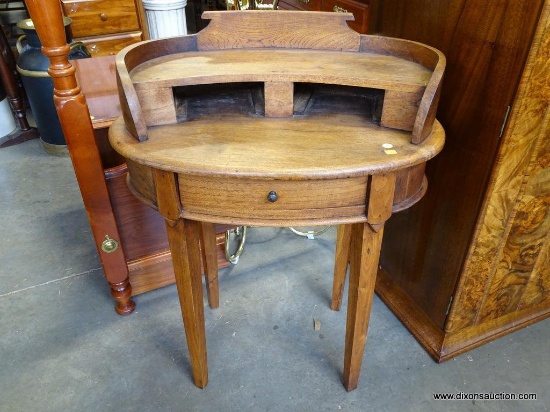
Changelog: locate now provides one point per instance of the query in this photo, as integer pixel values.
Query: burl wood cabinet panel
(474, 263)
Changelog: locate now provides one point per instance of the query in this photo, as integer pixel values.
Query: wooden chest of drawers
(359, 9)
(106, 26)
(306, 5)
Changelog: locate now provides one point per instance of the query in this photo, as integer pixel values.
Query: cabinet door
(359, 11)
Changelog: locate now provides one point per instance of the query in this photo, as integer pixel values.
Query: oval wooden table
(278, 119)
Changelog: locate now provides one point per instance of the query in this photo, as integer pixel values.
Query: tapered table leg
(184, 240)
(210, 262)
(341, 261)
(364, 255)
(183, 237)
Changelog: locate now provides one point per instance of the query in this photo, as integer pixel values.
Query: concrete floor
(63, 348)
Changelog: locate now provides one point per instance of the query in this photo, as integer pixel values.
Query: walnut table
(263, 119)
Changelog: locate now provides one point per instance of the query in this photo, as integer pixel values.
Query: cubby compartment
(220, 99)
(248, 99)
(387, 89)
(312, 99)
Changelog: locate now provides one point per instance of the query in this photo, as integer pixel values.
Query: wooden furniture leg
(364, 254)
(184, 240)
(183, 236)
(210, 262)
(75, 121)
(341, 261)
(122, 294)
(365, 251)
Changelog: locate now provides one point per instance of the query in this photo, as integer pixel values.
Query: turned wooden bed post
(79, 135)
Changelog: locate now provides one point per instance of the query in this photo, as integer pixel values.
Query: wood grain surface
(264, 28)
(97, 80)
(332, 67)
(197, 147)
(100, 17)
(507, 269)
(486, 45)
(143, 68)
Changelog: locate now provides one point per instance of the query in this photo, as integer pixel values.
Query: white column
(165, 18)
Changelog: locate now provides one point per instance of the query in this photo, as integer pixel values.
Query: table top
(320, 147)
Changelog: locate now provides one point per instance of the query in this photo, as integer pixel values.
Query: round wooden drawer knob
(272, 196)
(103, 17)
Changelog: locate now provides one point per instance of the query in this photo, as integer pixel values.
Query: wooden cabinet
(106, 26)
(306, 5)
(359, 9)
(474, 263)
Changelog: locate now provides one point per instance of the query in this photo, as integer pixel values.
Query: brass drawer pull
(103, 17)
(272, 196)
(109, 245)
(338, 9)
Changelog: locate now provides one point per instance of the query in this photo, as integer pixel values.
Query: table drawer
(110, 45)
(307, 5)
(100, 17)
(359, 11)
(249, 198)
